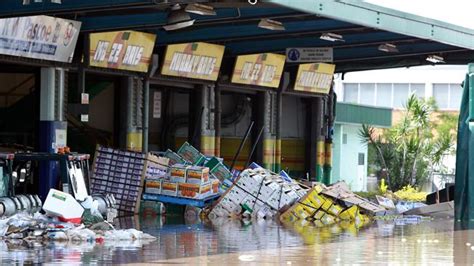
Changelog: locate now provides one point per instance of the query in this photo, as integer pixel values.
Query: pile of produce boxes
(183, 176)
(329, 205)
(258, 193)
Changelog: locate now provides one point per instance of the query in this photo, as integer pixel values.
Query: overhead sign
(193, 60)
(315, 78)
(259, 69)
(309, 55)
(125, 50)
(39, 37)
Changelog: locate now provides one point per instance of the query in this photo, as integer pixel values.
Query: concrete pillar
(217, 120)
(269, 140)
(47, 94)
(207, 130)
(145, 114)
(278, 117)
(133, 115)
(53, 128)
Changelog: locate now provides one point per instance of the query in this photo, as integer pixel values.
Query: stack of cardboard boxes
(259, 193)
(183, 177)
(329, 205)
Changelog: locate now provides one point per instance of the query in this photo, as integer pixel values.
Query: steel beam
(15, 8)
(156, 19)
(373, 16)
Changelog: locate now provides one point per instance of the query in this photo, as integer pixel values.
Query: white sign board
(309, 55)
(84, 118)
(84, 98)
(157, 104)
(39, 37)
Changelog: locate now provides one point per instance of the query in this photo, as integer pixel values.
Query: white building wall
(427, 75)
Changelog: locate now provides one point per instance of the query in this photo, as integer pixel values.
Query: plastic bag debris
(128, 234)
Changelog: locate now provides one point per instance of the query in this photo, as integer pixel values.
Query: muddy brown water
(231, 242)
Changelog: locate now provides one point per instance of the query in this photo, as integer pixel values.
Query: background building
(391, 88)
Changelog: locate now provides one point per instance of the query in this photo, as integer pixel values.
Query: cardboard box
(197, 175)
(191, 154)
(228, 204)
(218, 170)
(215, 184)
(250, 184)
(153, 186)
(248, 203)
(169, 188)
(236, 194)
(219, 211)
(315, 199)
(194, 191)
(178, 173)
(319, 214)
(174, 158)
(267, 189)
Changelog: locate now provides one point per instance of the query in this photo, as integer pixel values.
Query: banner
(193, 60)
(39, 37)
(259, 69)
(125, 50)
(315, 78)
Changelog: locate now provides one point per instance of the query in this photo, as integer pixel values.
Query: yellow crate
(319, 214)
(327, 204)
(349, 213)
(301, 212)
(316, 200)
(288, 216)
(361, 220)
(335, 210)
(328, 219)
(318, 223)
(318, 189)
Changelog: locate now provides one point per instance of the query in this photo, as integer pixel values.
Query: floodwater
(232, 242)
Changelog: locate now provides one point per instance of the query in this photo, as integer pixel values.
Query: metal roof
(347, 113)
(363, 26)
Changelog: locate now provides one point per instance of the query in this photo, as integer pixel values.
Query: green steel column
(320, 146)
(331, 111)
(464, 188)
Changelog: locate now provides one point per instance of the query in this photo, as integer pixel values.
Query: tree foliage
(410, 150)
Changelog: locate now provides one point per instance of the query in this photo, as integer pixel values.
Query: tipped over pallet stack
(328, 205)
(258, 193)
(262, 194)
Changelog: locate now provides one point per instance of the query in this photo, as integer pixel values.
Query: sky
(457, 12)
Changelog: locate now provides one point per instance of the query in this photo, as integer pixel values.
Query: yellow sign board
(125, 50)
(193, 60)
(259, 69)
(315, 78)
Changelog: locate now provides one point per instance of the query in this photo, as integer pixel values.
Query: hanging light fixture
(332, 37)
(435, 59)
(269, 24)
(27, 2)
(178, 18)
(200, 9)
(388, 48)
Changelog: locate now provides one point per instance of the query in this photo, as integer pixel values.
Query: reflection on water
(232, 241)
